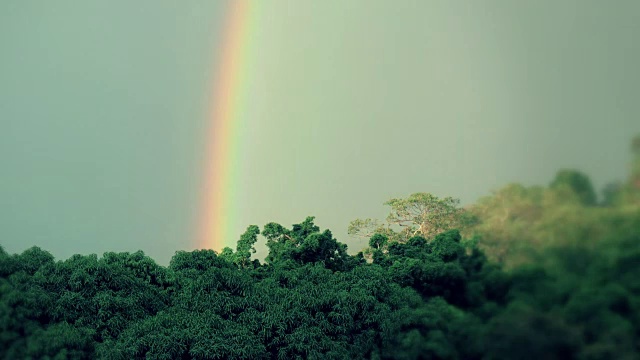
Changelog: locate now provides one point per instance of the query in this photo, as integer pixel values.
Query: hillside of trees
(547, 272)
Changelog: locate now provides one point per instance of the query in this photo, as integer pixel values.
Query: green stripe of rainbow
(223, 154)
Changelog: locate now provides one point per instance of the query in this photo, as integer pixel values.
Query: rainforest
(539, 272)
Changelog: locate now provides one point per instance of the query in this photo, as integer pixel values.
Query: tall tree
(421, 214)
(245, 246)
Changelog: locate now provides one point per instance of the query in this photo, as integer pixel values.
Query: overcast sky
(103, 106)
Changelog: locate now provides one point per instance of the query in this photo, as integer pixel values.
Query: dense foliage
(517, 224)
(430, 299)
(561, 281)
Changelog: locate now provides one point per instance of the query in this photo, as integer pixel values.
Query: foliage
(578, 183)
(420, 214)
(245, 245)
(517, 224)
(504, 221)
(436, 298)
(548, 275)
(304, 243)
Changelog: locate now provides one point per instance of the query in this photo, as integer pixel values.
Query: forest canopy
(543, 272)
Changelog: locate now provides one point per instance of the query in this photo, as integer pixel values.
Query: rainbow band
(223, 153)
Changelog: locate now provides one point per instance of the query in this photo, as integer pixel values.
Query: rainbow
(223, 138)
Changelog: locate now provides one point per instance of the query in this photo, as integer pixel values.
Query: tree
(505, 219)
(635, 151)
(421, 214)
(578, 182)
(245, 247)
(197, 261)
(611, 194)
(633, 192)
(304, 243)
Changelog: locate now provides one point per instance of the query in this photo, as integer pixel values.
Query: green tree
(504, 221)
(578, 182)
(633, 187)
(611, 194)
(61, 341)
(304, 243)
(421, 214)
(245, 246)
(195, 262)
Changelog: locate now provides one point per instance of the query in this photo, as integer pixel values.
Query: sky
(105, 106)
